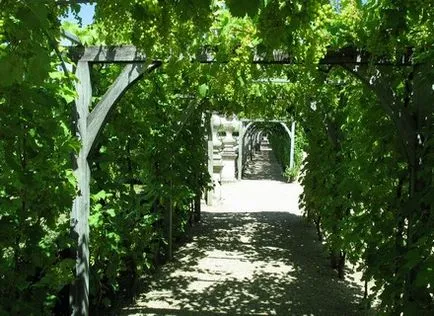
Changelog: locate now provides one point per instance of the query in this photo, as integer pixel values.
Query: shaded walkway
(263, 166)
(262, 262)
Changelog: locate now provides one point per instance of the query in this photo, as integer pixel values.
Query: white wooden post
(240, 151)
(292, 149)
(209, 196)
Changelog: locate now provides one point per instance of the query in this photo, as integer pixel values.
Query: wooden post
(209, 194)
(197, 208)
(79, 299)
(88, 126)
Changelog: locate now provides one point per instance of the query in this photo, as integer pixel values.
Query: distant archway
(252, 127)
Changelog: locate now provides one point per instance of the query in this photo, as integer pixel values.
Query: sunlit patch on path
(251, 255)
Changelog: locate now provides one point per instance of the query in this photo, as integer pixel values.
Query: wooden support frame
(108, 54)
(88, 126)
(240, 152)
(343, 56)
(347, 55)
(210, 148)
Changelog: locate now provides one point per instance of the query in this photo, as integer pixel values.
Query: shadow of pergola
(249, 264)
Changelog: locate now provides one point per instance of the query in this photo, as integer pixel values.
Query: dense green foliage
(281, 146)
(361, 197)
(36, 181)
(144, 160)
(368, 175)
(151, 155)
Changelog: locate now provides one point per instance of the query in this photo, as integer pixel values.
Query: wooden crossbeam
(108, 54)
(347, 56)
(344, 56)
(262, 121)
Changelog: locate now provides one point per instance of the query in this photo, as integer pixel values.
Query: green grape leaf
(203, 90)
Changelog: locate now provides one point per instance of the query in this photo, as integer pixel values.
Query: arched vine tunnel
(115, 120)
(277, 132)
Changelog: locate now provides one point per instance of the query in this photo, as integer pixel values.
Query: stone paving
(253, 254)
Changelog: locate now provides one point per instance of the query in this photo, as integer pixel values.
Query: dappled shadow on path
(265, 263)
(263, 166)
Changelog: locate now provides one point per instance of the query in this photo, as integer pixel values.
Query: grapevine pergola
(89, 123)
(88, 208)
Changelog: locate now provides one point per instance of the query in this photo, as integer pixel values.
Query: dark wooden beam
(344, 56)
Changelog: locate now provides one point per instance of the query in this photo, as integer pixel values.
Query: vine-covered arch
(387, 169)
(89, 124)
(251, 127)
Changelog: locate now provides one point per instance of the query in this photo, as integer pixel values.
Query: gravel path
(263, 166)
(251, 255)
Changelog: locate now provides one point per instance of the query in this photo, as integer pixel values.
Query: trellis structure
(90, 123)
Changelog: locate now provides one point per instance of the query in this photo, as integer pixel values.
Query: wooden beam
(88, 126)
(210, 147)
(292, 148)
(72, 37)
(285, 127)
(344, 56)
(109, 54)
(240, 152)
(262, 120)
